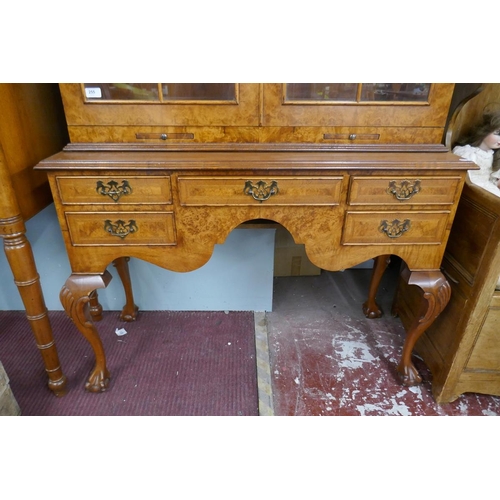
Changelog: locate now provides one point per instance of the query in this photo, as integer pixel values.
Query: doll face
(491, 141)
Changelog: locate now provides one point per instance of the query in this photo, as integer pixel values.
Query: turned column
(22, 263)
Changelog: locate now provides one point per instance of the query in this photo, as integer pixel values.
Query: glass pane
(321, 92)
(395, 92)
(122, 91)
(199, 91)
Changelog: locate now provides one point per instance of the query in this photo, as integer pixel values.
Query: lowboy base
(170, 207)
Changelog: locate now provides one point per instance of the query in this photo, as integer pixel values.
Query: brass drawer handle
(394, 229)
(261, 191)
(405, 190)
(113, 190)
(119, 228)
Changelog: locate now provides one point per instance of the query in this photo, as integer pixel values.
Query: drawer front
(113, 190)
(227, 191)
(396, 190)
(121, 228)
(394, 228)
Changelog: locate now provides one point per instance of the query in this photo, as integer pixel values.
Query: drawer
(227, 191)
(394, 228)
(396, 190)
(121, 228)
(111, 190)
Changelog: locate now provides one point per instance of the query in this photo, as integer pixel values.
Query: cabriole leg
(75, 297)
(437, 293)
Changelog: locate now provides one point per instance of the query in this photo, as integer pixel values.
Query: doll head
(486, 135)
(492, 140)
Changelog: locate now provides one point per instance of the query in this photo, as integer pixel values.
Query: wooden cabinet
(163, 172)
(257, 113)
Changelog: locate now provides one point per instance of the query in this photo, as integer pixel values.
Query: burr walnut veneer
(163, 172)
(171, 207)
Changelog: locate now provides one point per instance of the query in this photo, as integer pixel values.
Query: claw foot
(129, 315)
(98, 381)
(372, 311)
(409, 375)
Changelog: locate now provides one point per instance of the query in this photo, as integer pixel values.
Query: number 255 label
(93, 93)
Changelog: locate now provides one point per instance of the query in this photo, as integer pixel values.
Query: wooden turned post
(22, 263)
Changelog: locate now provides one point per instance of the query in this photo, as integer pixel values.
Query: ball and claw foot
(129, 314)
(98, 381)
(371, 311)
(409, 375)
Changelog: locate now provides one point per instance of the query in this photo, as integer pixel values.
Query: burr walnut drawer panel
(121, 228)
(197, 191)
(118, 189)
(395, 190)
(394, 228)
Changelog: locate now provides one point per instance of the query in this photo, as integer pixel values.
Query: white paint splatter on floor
(333, 361)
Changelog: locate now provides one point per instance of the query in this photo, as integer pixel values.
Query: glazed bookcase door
(161, 104)
(376, 112)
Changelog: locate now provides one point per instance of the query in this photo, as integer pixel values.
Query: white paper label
(93, 92)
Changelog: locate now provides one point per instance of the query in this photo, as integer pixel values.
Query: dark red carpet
(169, 363)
